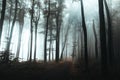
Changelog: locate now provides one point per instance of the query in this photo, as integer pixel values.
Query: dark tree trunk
(85, 35)
(36, 24)
(102, 37)
(2, 17)
(57, 37)
(110, 41)
(96, 41)
(31, 30)
(46, 33)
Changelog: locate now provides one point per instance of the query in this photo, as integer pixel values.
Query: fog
(72, 9)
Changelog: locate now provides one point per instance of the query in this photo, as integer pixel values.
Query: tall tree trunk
(36, 24)
(31, 30)
(57, 37)
(46, 33)
(81, 36)
(2, 17)
(52, 52)
(102, 37)
(110, 41)
(85, 35)
(96, 41)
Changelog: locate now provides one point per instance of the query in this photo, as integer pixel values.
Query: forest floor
(54, 71)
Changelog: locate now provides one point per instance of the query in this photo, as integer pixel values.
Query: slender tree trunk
(31, 30)
(110, 41)
(36, 24)
(96, 41)
(82, 52)
(2, 17)
(66, 53)
(46, 33)
(102, 37)
(85, 35)
(52, 52)
(57, 38)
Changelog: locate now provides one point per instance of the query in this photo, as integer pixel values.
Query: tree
(110, 40)
(36, 21)
(102, 37)
(85, 34)
(31, 29)
(46, 32)
(2, 16)
(58, 26)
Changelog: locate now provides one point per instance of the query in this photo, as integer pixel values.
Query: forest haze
(49, 37)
